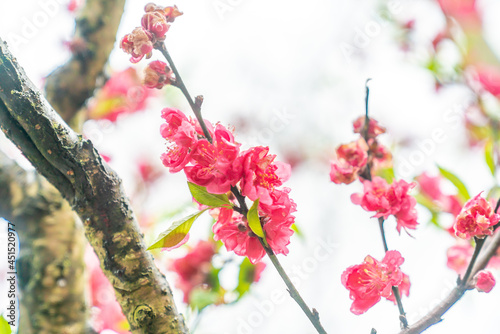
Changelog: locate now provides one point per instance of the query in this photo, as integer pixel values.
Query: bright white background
(262, 58)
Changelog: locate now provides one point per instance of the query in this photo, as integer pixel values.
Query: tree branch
(95, 193)
(50, 264)
(69, 86)
(434, 316)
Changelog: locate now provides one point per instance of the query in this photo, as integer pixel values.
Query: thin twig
(294, 293)
(434, 316)
(243, 209)
(195, 105)
(368, 175)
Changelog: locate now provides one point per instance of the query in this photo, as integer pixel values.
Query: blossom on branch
(158, 74)
(370, 281)
(154, 25)
(374, 128)
(388, 200)
(484, 281)
(351, 159)
(476, 219)
(218, 166)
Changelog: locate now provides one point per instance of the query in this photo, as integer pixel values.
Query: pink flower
(459, 9)
(476, 219)
(484, 281)
(381, 157)
(233, 230)
(158, 74)
(430, 186)
(371, 280)
(260, 174)
(194, 268)
(489, 77)
(213, 165)
(122, 94)
(374, 129)
(156, 23)
(138, 43)
(388, 200)
(351, 159)
(459, 257)
(170, 12)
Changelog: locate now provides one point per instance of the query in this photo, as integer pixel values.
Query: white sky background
(265, 57)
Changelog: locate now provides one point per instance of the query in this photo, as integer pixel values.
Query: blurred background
(291, 75)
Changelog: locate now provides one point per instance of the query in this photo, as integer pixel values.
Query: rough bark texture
(50, 264)
(94, 191)
(69, 86)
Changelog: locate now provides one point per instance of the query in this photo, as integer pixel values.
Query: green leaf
(426, 202)
(489, 156)
(176, 232)
(4, 326)
(387, 174)
(245, 277)
(254, 220)
(463, 193)
(200, 297)
(298, 231)
(204, 197)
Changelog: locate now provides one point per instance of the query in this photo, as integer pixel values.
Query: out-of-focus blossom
(122, 94)
(194, 268)
(108, 313)
(374, 128)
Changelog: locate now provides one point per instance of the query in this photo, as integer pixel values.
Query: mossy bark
(50, 264)
(94, 191)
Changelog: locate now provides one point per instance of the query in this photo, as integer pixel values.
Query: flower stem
(368, 175)
(477, 249)
(196, 104)
(382, 233)
(313, 315)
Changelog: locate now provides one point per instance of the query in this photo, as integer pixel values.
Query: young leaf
(199, 298)
(463, 193)
(4, 326)
(254, 220)
(387, 174)
(204, 197)
(176, 233)
(245, 277)
(489, 156)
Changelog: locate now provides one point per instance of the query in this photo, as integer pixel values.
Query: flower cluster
(219, 165)
(476, 219)
(353, 158)
(389, 199)
(154, 25)
(370, 281)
